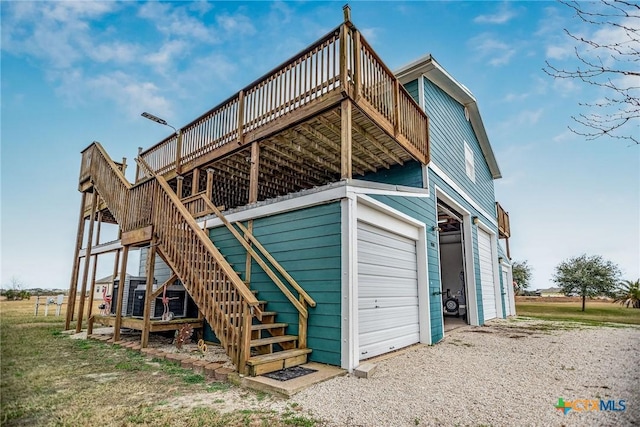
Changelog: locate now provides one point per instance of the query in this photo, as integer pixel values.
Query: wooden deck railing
(218, 291)
(342, 60)
(504, 227)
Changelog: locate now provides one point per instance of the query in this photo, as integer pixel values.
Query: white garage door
(486, 275)
(387, 291)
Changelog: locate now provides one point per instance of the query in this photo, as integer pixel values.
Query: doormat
(289, 373)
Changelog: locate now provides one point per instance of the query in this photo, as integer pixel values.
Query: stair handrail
(246, 293)
(294, 284)
(283, 288)
(203, 284)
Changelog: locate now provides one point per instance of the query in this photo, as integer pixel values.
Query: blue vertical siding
(412, 88)
(409, 174)
(307, 243)
(448, 129)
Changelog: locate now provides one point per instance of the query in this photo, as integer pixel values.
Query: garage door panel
(394, 271)
(486, 275)
(405, 334)
(394, 342)
(380, 319)
(379, 255)
(388, 313)
(379, 301)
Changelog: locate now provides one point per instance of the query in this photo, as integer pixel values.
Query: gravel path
(508, 373)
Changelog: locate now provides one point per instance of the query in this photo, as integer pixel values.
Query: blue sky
(75, 72)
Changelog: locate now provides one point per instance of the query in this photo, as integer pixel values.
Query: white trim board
(442, 175)
(363, 207)
(469, 263)
(318, 196)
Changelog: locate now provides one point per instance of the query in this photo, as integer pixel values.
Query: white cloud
(513, 97)
(176, 22)
(237, 24)
(494, 51)
(566, 87)
(369, 33)
(162, 60)
(504, 15)
(559, 51)
(118, 52)
(130, 94)
(565, 136)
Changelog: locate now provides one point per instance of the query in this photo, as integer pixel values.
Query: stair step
(261, 326)
(266, 363)
(273, 340)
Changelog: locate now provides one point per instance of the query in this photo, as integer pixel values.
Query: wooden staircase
(251, 335)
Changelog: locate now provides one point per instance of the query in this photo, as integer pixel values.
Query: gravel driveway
(507, 373)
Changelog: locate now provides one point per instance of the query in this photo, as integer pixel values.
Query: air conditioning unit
(178, 302)
(131, 283)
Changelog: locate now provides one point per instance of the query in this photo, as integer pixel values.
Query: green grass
(49, 379)
(597, 313)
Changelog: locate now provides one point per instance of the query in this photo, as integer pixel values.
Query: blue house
(331, 211)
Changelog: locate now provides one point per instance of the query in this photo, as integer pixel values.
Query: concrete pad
(293, 386)
(365, 370)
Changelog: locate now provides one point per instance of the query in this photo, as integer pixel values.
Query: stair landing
(271, 362)
(295, 385)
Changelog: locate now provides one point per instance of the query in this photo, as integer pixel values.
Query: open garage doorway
(451, 240)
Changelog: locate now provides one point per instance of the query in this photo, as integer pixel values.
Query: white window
(469, 165)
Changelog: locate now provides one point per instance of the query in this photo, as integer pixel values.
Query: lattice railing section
(220, 294)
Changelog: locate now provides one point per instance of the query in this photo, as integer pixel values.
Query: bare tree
(611, 63)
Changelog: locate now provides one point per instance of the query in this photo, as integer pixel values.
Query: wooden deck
(154, 325)
(333, 111)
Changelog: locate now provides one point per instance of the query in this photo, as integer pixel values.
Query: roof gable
(430, 69)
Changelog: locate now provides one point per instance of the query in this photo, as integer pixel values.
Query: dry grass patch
(49, 379)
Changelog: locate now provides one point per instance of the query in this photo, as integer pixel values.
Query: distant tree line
(584, 276)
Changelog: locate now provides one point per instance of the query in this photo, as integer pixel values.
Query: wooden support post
(87, 258)
(195, 181)
(179, 152)
(138, 165)
(247, 267)
(114, 275)
(344, 81)
(508, 250)
(346, 11)
(245, 340)
(357, 72)
(93, 280)
(73, 285)
(151, 262)
(179, 182)
(396, 107)
(302, 326)
(345, 140)
(240, 137)
(254, 175)
(209, 189)
(123, 277)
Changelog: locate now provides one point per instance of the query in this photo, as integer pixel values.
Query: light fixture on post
(177, 131)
